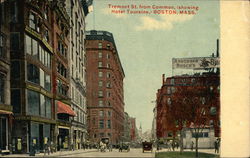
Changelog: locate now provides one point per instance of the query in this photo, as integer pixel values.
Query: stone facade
(77, 70)
(5, 107)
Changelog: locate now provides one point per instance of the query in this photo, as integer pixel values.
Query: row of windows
(62, 88)
(38, 76)
(38, 104)
(100, 55)
(101, 124)
(108, 84)
(62, 49)
(200, 135)
(100, 45)
(100, 74)
(101, 103)
(100, 94)
(100, 65)
(61, 70)
(34, 49)
(102, 114)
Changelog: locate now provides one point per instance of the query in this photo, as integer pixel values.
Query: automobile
(147, 146)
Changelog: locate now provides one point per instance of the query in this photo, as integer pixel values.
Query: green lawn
(185, 154)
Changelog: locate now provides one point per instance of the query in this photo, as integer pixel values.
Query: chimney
(217, 51)
(163, 79)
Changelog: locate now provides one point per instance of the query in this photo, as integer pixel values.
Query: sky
(146, 44)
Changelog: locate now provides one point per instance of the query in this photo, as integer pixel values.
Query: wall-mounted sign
(196, 63)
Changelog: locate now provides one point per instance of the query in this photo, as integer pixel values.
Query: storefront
(5, 123)
(40, 134)
(64, 112)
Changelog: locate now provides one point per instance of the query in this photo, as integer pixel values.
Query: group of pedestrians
(172, 145)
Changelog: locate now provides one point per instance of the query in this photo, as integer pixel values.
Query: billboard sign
(196, 63)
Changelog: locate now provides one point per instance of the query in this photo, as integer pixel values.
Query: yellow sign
(19, 144)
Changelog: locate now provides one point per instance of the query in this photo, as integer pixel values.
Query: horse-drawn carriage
(105, 144)
(147, 146)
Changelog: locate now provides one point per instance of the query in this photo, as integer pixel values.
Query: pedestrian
(173, 145)
(218, 143)
(177, 145)
(192, 145)
(216, 146)
(169, 145)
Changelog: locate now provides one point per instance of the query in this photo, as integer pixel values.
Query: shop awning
(6, 112)
(64, 109)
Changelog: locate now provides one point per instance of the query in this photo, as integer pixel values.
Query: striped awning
(64, 109)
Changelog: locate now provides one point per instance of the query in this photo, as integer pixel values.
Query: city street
(114, 153)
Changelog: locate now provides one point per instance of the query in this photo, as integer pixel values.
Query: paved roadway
(114, 153)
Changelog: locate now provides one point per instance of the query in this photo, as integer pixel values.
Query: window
(100, 103)
(42, 78)
(33, 73)
(108, 65)
(61, 48)
(2, 84)
(108, 94)
(99, 45)
(61, 88)
(99, 64)
(108, 85)
(47, 82)
(14, 12)
(108, 75)
(100, 83)
(172, 81)
(14, 41)
(28, 41)
(99, 54)
(42, 105)
(101, 123)
(101, 113)
(35, 49)
(46, 35)
(108, 46)
(109, 113)
(100, 93)
(109, 124)
(100, 74)
(33, 102)
(108, 56)
(16, 100)
(47, 107)
(169, 101)
(169, 90)
(2, 46)
(33, 21)
(109, 104)
(15, 70)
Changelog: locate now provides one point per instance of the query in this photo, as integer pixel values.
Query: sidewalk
(209, 151)
(56, 154)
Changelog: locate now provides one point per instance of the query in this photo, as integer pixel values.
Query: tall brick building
(105, 98)
(166, 126)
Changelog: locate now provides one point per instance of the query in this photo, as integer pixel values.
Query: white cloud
(107, 11)
(166, 22)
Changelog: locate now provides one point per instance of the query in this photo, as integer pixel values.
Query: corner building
(39, 74)
(5, 107)
(105, 98)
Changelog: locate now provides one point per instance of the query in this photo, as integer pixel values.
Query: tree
(190, 108)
